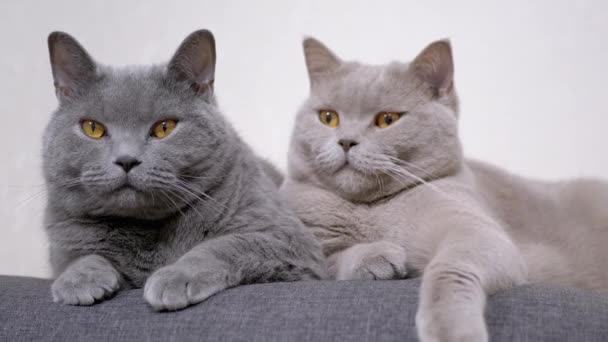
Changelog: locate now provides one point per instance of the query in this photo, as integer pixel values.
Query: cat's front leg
(469, 264)
(374, 261)
(87, 280)
(189, 281)
(231, 260)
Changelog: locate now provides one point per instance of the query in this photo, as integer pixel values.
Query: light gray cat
(148, 184)
(376, 171)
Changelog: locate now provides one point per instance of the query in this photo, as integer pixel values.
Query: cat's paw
(374, 261)
(89, 280)
(437, 325)
(177, 286)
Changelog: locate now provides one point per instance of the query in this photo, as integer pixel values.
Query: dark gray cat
(148, 184)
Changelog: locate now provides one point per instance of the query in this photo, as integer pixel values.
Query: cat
(376, 171)
(149, 186)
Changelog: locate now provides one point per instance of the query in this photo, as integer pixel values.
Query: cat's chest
(140, 251)
(135, 249)
(339, 224)
(396, 217)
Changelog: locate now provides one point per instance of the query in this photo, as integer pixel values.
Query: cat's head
(368, 131)
(137, 141)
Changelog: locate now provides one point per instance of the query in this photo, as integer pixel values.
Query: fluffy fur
(404, 197)
(196, 214)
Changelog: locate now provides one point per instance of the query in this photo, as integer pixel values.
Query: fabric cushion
(301, 311)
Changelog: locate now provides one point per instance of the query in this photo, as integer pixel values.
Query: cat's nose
(127, 162)
(347, 144)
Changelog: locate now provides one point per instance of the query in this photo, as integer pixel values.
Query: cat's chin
(361, 187)
(351, 183)
(127, 194)
(127, 201)
(129, 205)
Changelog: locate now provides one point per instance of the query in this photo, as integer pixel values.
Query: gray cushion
(303, 311)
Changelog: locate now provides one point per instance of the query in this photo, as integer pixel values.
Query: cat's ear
(434, 66)
(319, 58)
(73, 69)
(194, 62)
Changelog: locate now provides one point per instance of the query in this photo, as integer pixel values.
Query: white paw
(376, 260)
(177, 286)
(450, 326)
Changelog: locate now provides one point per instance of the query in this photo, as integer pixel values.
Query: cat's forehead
(134, 92)
(130, 82)
(363, 89)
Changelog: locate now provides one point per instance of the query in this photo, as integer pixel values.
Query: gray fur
(407, 195)
(199, 215)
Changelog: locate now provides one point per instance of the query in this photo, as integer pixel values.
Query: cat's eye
(329, 117)
(385, 119)
(93, 129)
(163, 128)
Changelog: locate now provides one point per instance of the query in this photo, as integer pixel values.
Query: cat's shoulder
(458, 187)
(309, 200)
(482, 169)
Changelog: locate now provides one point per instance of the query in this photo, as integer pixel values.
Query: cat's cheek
(329, 159)
(100, 180)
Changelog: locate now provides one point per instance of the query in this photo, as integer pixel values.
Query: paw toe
(81, 289)
(172, 288)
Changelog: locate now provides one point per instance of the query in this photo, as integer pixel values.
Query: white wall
(531, 76)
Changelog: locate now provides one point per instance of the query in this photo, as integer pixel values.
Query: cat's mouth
(126, 187)
(342, 167)
(348, 166)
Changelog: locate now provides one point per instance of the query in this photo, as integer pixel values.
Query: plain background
(531, 77)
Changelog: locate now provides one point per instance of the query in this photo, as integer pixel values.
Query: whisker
(63, 184)
(392, 176)
(414, 166)
(380, 184)
(404, 173)
(172, 202)
(201, 193)
(187, 192)
(188, 204)
(30, 198)
(195, 177)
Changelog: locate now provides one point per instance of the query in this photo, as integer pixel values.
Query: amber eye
(329, 117)
(385, 119)
(163, 128)
(93, 129)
